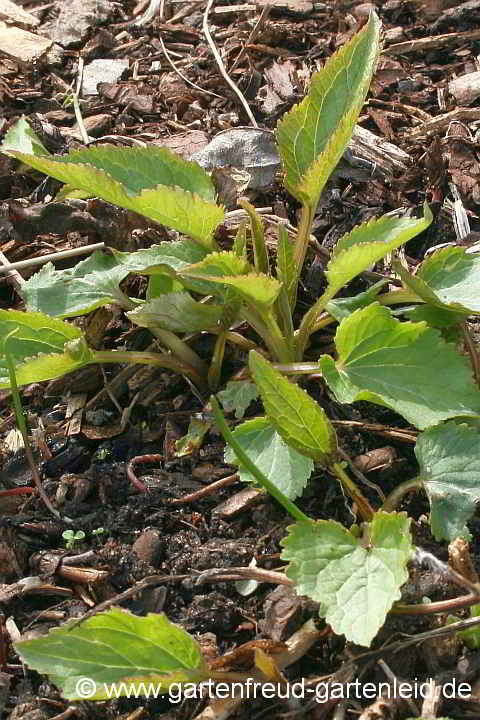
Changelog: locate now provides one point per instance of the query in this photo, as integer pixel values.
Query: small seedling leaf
(237, 396)
(197, 429)
(281, 464)
(286, 271)
(402, 366)
(313, 136)
(450, 469)
(355, 580)
(300, 421)
(177, 312)
(111, 647)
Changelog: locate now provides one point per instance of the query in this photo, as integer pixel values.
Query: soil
(86, 436)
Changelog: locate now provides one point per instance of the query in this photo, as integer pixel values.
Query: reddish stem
(17, 491)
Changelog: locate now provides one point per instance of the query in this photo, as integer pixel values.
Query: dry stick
(76, 104)
(13, 275)
(61, 255)
(221, 66)
(172, 64)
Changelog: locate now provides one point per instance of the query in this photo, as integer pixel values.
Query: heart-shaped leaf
(355, 580)
(402, 366)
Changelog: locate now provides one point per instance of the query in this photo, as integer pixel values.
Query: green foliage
(449, 461)
(95, 281)
(152, 181)
(299, 420)
(237, 396)
(355, 579)
(402, 366)
(313, 136)
(192, 441)
(279, 462)
(111, 647)
(449, 279)
(71, 537)
(177, 312)
(42, 347)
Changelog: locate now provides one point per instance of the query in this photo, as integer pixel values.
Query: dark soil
(83, 455)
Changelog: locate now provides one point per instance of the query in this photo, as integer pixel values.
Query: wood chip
(431, 43)
(465, 89)
(441, 123)
(22, 46)
(16, 15)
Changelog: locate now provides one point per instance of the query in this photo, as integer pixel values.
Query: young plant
(72, 537)
(162, 186)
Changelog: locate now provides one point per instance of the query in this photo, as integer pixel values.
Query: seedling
(72, 537)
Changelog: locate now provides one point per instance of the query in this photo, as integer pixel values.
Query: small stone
(101, 71)
(76, 19)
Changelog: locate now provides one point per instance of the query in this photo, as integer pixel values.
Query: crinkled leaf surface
(300, 421)
(368, 243)
(355, 581)
(314, 134)
(449, 459)
(282, 464)
(237, 396)
(38, 346)
(205, 276)
(450, 278)
(114, 646)
(94, 281)
(152, 181)
(403, 366)
(177, 312)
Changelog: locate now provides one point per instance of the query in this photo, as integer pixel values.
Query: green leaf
(41, 348)
(368, 243)
(300, 421)
(402, 366)
(286, 271)
(197, 429)
(225, 274)
(470, 636)
(21, 138)
(152, 181)
(94, 281)
(343, 307)
(449, 279)
(177, 312)
(313, 136)
(281, 464)
(237, 396)
(449, 461)
(111, 647)
(355, 580)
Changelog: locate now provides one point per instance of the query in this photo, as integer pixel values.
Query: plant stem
(441, 606)
(364, 507)
(266, 326)
(170, 362)
(180, 349)
(395, 497)
(302, 239)
(215, 369)
(242, 456)
(397, 297)
(22, 426)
